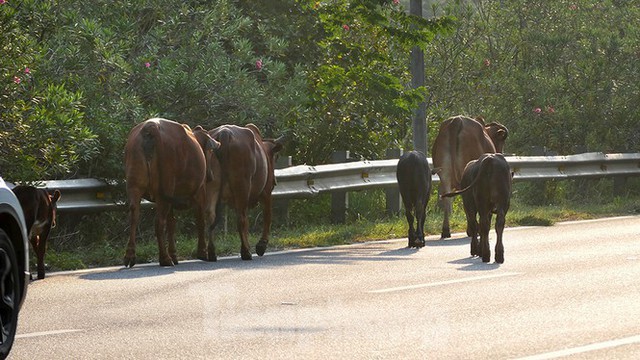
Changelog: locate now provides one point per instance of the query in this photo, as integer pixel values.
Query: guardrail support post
(393, 199)
(339, 199)
(619, 185)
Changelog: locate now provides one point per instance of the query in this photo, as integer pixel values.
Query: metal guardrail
(303, 181)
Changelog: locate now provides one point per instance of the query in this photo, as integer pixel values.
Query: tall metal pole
(417, 80)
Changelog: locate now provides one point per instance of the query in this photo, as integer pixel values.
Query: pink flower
(147, 64)
(345, 27)
(487, 62)
(573, 7)
(537, 110)
(26, 70)
(259, 64)
(16, 79)
(2, 2)
(550, 109)
(396, 2)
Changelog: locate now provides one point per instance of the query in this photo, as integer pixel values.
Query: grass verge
(106, 244)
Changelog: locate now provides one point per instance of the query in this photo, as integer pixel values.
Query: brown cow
(486, 189)
(246, 165)
(460, 140)
(169, 164)
(39, 207)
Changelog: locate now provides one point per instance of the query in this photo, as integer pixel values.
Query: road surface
(570, 290)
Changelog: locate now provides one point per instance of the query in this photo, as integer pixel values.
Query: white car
(14, 266)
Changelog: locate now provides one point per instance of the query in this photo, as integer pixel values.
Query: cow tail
(224, 138)
(456, 125)
(150, 134)
(484, 168)
(222, 153)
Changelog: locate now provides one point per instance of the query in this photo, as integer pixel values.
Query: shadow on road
(474, 264)
(342, 255)
(449, 242)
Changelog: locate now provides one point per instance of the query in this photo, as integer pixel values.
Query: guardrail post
(281, 206)
(339, 199)
(619, 185)
(393, 199)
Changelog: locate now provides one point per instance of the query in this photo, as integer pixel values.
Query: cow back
(246, 163)
(165, 158)
(460, 140)
(39, 207)
(414, 176)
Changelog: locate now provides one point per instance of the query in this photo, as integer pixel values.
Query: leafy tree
(43, 132)
(359, 95)
(559, 74)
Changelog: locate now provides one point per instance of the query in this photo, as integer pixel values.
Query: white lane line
(583, 349)
(446, 282)
(46, 333)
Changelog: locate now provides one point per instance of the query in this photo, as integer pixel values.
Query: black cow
(486, 191)
(414, 182)
(39, 207)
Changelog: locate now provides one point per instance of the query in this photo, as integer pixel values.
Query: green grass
(101, 240)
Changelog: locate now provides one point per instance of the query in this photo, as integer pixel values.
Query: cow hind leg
(42, 249)
(472, 232)
(261, 246)
(134, 217)
(162, 212)
(211, 246)
(485, 224)
(243, 230)
(215, 218)
(420, 218)
(408, 212)
(500, 222)
(171, 239)
(447, 207)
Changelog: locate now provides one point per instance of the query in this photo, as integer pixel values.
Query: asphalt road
(571, 290)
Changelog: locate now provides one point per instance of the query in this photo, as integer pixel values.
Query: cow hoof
(416, 244)
(166, 262)
(246, 256)
(486, 259)
(211, 253)
(202, 255)
(129, 261)
(261, 247)
(499, 259)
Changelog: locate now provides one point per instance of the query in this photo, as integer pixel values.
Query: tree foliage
(562, 74)
(359, 90)
(76, 76)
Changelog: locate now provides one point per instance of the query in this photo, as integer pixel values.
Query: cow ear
(212, 144)
(277, 146)
(56, 196)
(502, 134)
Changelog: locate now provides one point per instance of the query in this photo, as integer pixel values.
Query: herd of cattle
(177, 167)
(466, 156)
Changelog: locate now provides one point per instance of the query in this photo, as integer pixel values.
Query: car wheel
(9, 294)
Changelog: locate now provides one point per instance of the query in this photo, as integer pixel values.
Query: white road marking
(446, 282)
(46, 333)
(583, 349)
